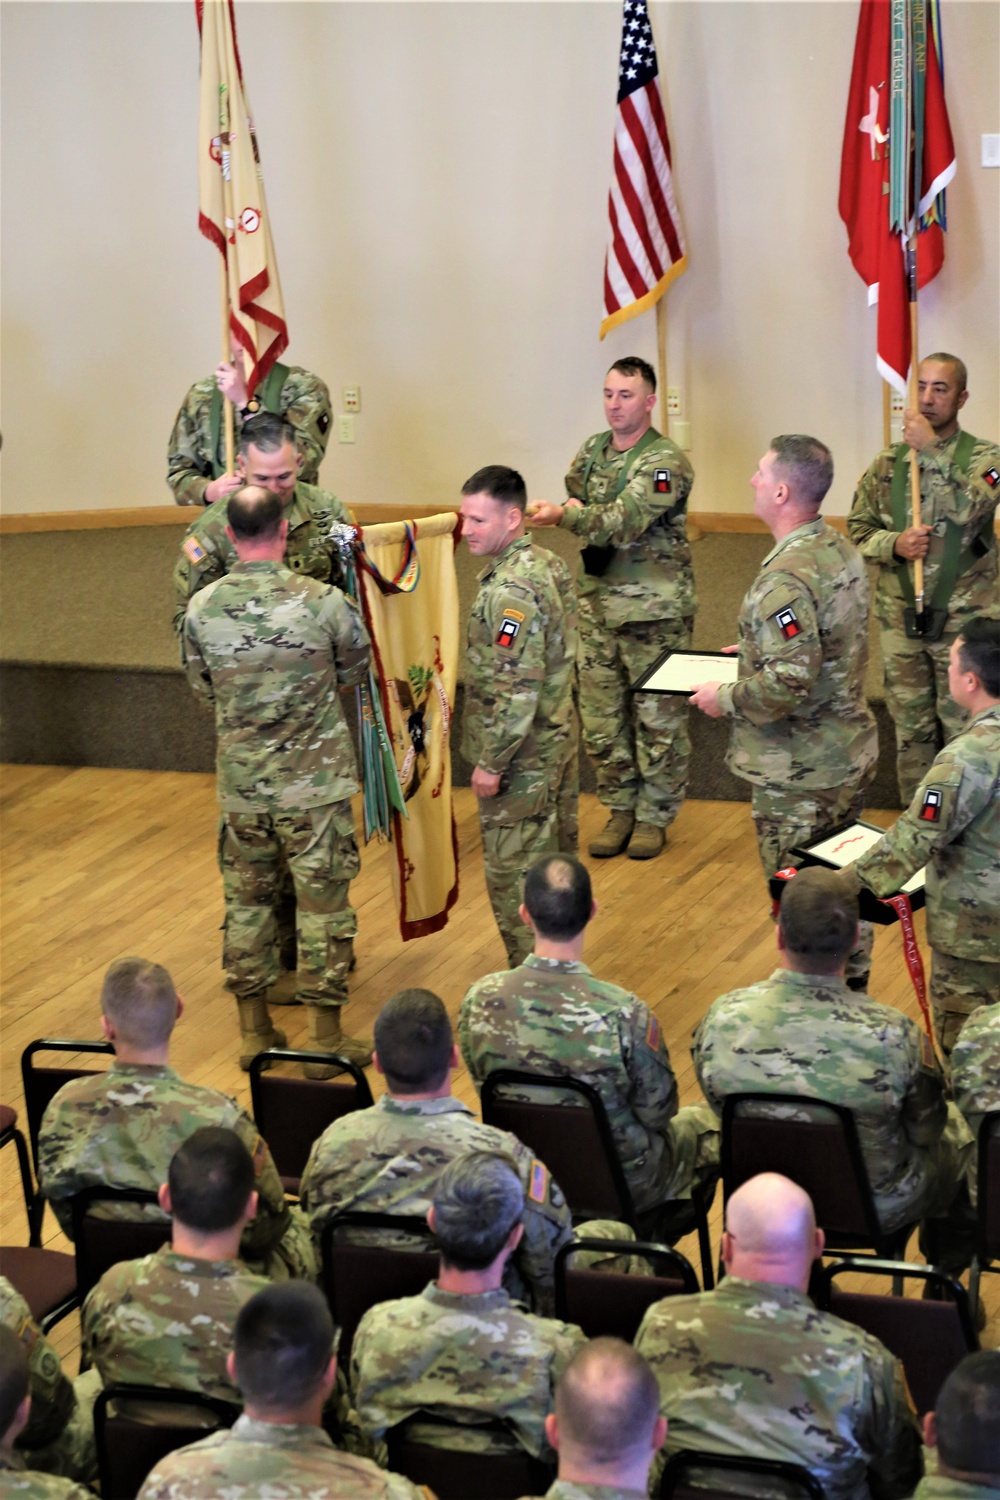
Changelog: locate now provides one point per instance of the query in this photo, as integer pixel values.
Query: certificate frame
(870, 907)
(720, 666)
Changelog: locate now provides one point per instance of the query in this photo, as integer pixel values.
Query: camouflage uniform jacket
(754, 1370)
(943, 1487)
(254, 1459)
(567, 1489)
(650, 576)
(809, 1034)
(952, 825)
(269, 649)
(167, 1319)
(30, 1484)
(207, 552)
(121, 1128)
(52, 1396)
(191, 463)
(975, 1066)
(518, 681)
(469, 1359)
(388, 1159)
(553, 1016)
(799, 713)
(945, 495)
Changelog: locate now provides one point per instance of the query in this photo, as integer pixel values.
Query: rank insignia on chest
(992, 477)
(510, 627)
(788, 623)
(930, 811)
(661, 481)
(193, 551)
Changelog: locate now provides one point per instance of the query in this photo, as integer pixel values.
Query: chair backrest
(292, 1113)
(822, 1155)
(358, 1273)
(575, 1144)
(452, 1474)
(101, 1243)
(674, 1482)
(41, 1084)
(127, 1448)
(10, 1135)
(605, 1303)
(988, 1181)
(929, 1338)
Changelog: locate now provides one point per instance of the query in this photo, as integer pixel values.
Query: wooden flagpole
(227, 354)
(918, 562)
(886, 414)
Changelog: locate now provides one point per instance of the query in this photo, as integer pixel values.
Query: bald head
(254, 514)
(771, 1232)
(607, 1425)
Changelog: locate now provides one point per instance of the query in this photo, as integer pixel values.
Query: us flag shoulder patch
(538, 1190)
(259, 1155)
(992, 477)
(194, 551)
(787, 622)
(510, 626)
(653, 1034)
(930, 810)
(661, 481)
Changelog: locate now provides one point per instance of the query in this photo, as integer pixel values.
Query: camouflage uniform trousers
(508, 850)
(923, 711)
(73, 1454)
(638, 742)
(568, 802)
(322, 855)
(788, 817)
(959, 986)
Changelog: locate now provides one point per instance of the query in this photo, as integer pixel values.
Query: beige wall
(437, 176)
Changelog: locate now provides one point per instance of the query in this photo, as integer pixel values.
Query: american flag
(646, 247)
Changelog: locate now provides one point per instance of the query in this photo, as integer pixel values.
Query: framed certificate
(679, 671)
(841, 849)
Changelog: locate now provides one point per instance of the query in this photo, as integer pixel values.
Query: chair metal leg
(704, 1242)
(34, 1203)
(975, 1271)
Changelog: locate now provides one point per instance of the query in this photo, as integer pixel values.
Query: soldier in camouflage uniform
(284, 1364)
(119, 1129)
(517, 723)
(167, 1319)
(959, 488)
(803, 734)
(59, 1436)
(16, 1478)
(628, 491)
(196, 453)
(551, 1015)
(462, 1350)
(802, 1031)
(975, 1075)
(753, 1370)
(964, 1429)
(269, 649)
(953, 825)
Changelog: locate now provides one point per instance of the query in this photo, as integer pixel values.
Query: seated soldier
(964, 1429)
(167, 1319)
(804, 1031)
(119, 1129)
(606, 1428)
(283, 1362)
(550, 1015)
(753, 1370)
(59, 1434)
(15, 1412)
(463, 1350)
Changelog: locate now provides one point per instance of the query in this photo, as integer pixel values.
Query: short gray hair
(477, 1202)
(805, 464)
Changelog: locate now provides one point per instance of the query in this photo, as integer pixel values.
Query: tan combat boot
(646, 842)
(256, 1031)
(325, 1035)
(613, 836)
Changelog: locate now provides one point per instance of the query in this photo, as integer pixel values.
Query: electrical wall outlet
(673, 400)
(345, 429)
(897, 403)
(991, 150)
(352, 398)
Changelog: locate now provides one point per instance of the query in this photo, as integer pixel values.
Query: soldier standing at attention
(628, 491)
(517, 723)
(15, 1410)
(196, 453)
(270, 649)
(284, 1364)
(953, 826)
(803, 734)
(959, 489)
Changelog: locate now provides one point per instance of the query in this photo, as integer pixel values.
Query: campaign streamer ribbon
(408, 576)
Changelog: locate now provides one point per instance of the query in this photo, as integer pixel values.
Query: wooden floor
(99, 864)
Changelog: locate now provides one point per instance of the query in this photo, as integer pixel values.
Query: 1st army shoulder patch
(992, 477)
(194, 551)
(787, 622)
(930, 808)
(662, 481)
(510, 627)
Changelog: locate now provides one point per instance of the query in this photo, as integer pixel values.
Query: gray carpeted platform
(89, 673)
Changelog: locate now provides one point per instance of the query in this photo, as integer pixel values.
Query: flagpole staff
(886, 414)
(227, 354)
(918, 562)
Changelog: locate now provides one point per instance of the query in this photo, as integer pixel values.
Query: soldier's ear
(552, 1430)
(659, 1433)
(431, 1219)
(929, 1427)
(525, 916)
(231, 1367)
(163, 1197)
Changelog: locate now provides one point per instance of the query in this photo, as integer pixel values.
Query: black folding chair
(451, 1474)
(357, 1275)
(610, 1303)
(101, 1243)
(128, 1447)
(46, 1279)
(292, 1113)
(577, 1146)
(41, 1084)
(675, 1486)
(988, 1204)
